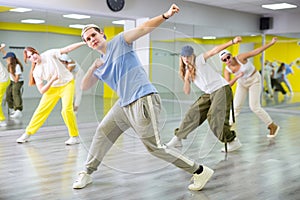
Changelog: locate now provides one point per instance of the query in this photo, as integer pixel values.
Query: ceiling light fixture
(279, 6)
(20, 10)
(79, 26)
(33, 21)
(77, 16)
(209, 37)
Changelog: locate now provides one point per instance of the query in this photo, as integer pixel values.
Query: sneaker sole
(275, 134)
(21, 142)
(72, 143)
(80, 187)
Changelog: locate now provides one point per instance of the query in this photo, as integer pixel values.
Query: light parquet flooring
(45, 168)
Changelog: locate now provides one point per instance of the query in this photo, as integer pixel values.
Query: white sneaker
(233, 127)
(83, 180)
(24, 138)
(11, 111)
(72, 140)
(3, 123)
(174, 142)
(233, 145)
(17, 114)
(201, 179)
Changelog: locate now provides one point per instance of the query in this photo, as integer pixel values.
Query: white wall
(285, 23)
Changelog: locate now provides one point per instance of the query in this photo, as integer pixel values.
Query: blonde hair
(191, 67)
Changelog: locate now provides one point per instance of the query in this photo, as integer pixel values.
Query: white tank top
(248, 68)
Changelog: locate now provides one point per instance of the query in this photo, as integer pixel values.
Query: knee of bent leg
(255, 108)
(66, 110)
(154, 149)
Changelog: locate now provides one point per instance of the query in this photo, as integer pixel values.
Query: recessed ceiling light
(79, 26)
(33, 21)
(209, 37)
(20, 10)
(77, 16)
(122, 22)
(278, 6)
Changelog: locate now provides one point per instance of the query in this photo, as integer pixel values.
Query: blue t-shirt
(123, 71)
(288, 69)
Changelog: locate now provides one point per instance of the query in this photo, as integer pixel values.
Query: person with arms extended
(54, 81)
(248, 83)
(13, 92)
(138, 105)
(281, 75)
(214, 104)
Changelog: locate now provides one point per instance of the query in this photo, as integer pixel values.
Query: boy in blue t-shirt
(138, 105)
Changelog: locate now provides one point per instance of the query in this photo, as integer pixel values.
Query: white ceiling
(250, 6)
(55, 18)
(52, 18)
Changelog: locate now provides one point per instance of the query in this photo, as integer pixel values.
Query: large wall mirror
(54, 33)
(166, 42)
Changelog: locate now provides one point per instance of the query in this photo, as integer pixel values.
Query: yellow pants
(48, 102)
(3, 86)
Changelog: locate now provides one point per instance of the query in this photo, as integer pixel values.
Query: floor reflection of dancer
(55, 82)
(138, 105)
(78, 74)
(248, 83)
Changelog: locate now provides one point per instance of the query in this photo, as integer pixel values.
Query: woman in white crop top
(248, 82)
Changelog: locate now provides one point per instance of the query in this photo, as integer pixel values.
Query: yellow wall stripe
(39, 28)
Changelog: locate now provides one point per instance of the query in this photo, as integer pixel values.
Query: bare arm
(221, 47)
(145, 28)
(45, 87)
(2, 49)
(187, 82)
(229, 80)
(89, 79)
(244, 56)
(15, 77)
(71, 47)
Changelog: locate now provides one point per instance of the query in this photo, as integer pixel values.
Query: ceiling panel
(54, 18)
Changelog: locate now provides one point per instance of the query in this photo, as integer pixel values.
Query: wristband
(163, 15)
(232, 41)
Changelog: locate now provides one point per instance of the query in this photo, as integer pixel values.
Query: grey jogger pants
(140, 115)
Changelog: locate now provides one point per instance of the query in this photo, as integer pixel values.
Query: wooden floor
(262, 169)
